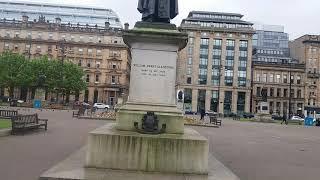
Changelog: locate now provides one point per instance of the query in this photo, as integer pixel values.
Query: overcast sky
(299, 17)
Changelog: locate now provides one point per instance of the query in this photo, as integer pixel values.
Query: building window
(189, 71)
(214, 101)
(227, 102)
(98, 52)
(299, 94)
(203, 76)
(258, 76)
(230, 53)
(271, 78)
(97, 77)
(190, 50)
(98, 65)
(29, 35)
(258, 93)
(90, 52)
(88, 78)
(190, 61)
(264, 77)
(278, 78)
(188, 99)
(50, 36)
(292, 93)
(80, 51)
(217, 42)
(80, 63)
(191, 40)
(285, 78)
(189, 80)
(292, 79)
(243, 53)
(8, 34)
(113, 80)
(241, 102)
(49, 48)
(204, 41)
(278, 92)
(229, 77)
(244, 44)
(242, 78)
(88, 64)
(298, 79)
(230, 43)
(271, 92)
(39, 35)
(114, 66)
(285, 92)
(217, 52)
(16, 35)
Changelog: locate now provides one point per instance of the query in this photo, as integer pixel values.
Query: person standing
(284, 119)
(202, 114)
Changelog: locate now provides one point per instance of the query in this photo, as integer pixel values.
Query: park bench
(7, 114)
(214, 120)
(27, 122)
(78, 113)
(236, 118)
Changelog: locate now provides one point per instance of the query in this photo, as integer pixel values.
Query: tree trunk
(11, 90)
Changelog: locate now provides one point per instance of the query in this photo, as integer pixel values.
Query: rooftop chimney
(107, 25)
(126, 26)
(58, 20)
(25, 18)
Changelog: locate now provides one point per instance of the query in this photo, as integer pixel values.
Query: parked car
(248, 115)
(297, 118)
(101, 106)
(276, 117)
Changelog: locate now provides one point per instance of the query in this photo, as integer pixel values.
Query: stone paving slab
(5, 132)
(73, 169)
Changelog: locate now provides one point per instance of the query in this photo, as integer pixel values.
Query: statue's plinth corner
(155, 32)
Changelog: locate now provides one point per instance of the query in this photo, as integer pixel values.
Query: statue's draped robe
(158, 9)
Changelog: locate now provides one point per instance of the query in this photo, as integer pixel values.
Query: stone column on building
(234, 104)
(221, 101)
(91, 94)
(208, 99)
(223, 62)
(236, 63)
(247, 101)
(194, 100)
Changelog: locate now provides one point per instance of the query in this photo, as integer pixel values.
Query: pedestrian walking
(202, 114)
(284, 119)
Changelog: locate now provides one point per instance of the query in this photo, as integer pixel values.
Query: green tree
(72, 79)
(14, 71)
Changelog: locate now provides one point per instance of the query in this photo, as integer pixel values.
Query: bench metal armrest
(45, 120)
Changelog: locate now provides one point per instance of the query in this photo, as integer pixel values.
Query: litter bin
(37, 104)
(308, 121)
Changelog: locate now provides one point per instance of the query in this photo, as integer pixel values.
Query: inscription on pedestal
(153, 70)
(153, 76)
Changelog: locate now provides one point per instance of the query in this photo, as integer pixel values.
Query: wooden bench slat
(25, 122)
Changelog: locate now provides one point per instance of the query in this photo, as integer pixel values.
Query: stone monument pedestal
(109, 148)
(152, 89)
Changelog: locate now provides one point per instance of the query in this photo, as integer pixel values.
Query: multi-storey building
(14, 10)
(272, 70)
(214, 70)
(307, 50)
(99, 50)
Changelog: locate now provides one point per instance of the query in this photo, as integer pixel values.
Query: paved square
(253, 151)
